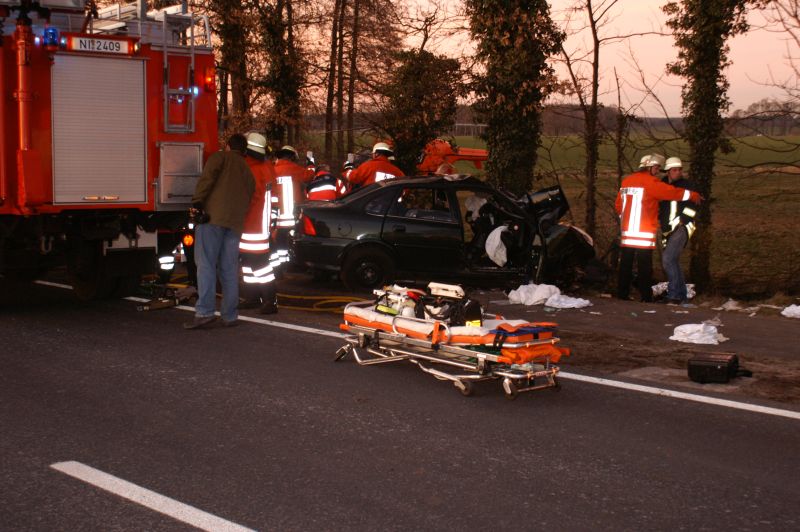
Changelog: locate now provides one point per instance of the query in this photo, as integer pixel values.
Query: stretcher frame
(370, 346)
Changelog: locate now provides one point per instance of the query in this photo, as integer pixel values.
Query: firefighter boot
(269, 298)
(250, 298)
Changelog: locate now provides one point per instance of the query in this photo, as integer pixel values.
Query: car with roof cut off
(442, 228)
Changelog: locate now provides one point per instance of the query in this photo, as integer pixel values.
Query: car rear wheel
(367, 269)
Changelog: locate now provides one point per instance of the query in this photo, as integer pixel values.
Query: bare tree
(582, 61)
(335, 51)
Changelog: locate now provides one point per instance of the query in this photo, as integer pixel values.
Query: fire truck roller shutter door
(92, 97)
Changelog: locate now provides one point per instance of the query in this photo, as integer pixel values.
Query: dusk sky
(757, 56)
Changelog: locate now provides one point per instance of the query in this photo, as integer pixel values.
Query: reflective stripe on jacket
(637, 206)
(255, 238)
(671, 214)
(322, 189)
(374, 170)
(290, 178)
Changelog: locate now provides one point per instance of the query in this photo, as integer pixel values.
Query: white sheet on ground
(792, 311)
(730, 304)
(495, 248)
(697, 333)
(533, 294)
(661, 288)
(562, 301)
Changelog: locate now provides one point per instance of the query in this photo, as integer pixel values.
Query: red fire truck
(106, 117)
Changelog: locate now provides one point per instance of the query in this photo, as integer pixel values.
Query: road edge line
(680, 395)
(791, 414)
(147, 498)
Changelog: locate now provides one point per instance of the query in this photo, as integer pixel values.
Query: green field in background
(755, 204)
(567, 152)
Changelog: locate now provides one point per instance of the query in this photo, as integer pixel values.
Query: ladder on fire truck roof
(178, 39)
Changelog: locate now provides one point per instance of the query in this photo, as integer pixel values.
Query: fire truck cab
(106, 118)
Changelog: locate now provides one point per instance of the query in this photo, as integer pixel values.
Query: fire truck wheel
(87, 273)
(126, 285)
(90, 288)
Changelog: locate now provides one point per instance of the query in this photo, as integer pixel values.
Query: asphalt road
(257, 426)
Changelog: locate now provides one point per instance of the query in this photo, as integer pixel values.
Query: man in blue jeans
(677, 225)
(223, 193)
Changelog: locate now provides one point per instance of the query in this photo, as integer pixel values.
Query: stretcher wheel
(342, 352)
(510, 389)
(465, 387)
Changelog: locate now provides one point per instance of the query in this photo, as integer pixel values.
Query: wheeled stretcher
(522, 355)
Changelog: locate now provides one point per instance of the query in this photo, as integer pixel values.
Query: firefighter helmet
(382, 148)
(257, 142)
(644, 160)
(287, 152)
(673, 162)
(655, 160)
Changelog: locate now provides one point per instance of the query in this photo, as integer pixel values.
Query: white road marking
(563, 374)
(149, 499)
(681, 395)
(56, 285)
(260, 321)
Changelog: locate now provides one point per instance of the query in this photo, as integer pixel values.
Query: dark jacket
(674, 213)
(225, 189)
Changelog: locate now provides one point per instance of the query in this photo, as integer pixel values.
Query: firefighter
(677, 226)
(343, 183)
(258, 273)
(324, 187)
(637, 207)
(219, 204)
(290, 179)
(377, 169)
(311, 166)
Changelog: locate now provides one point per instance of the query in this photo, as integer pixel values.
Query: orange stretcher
(521, 354)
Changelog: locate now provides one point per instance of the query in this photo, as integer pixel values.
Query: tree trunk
(352, 78)
(592, 137)
(222, 108)
(340, 86)
(335, 45)
(702, 175)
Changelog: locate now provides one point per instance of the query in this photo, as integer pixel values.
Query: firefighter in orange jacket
(324, 187)
(290, 179)
(377, 169)
(258, 270)
(637, 206)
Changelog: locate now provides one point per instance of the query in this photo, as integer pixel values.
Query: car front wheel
(367, 269)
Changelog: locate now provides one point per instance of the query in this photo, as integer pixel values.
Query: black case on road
(713, 367)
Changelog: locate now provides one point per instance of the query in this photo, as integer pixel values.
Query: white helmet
(383, 148)
(257, 142)
(655, 160)
(644, 160)
(287, 151)
(673, 162)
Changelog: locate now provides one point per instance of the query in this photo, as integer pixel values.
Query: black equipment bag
(715, 368)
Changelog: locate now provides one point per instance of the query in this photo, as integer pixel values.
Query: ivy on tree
(701, 30)
(515, 39)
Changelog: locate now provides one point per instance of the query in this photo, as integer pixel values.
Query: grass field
(755, 206)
